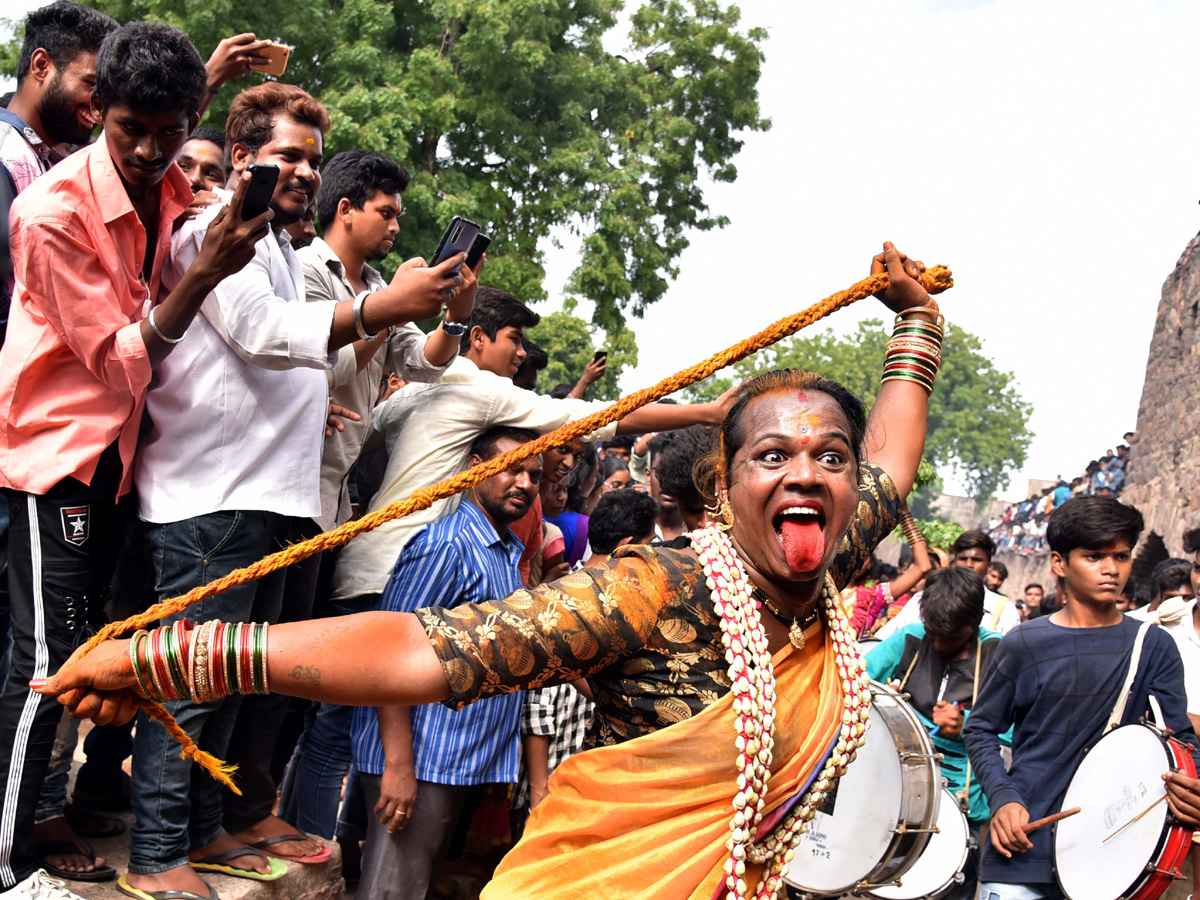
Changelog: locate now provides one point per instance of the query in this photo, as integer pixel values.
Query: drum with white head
(1124, 844)
(939, 870)
(878, 818)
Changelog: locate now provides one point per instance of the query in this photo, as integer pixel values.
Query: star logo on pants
(76, 521)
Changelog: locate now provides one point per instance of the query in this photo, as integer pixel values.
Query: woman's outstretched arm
(369, 659)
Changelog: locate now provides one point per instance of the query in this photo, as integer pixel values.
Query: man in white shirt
(232, 464)
(974, 550)
(359, 208)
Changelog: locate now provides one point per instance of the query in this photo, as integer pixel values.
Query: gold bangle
(938, 318)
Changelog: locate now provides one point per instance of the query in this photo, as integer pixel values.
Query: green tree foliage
(939, 533)
(571, 341)
(517, 115)
(978, 423)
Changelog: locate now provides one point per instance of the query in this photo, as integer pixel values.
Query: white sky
(1043, 150)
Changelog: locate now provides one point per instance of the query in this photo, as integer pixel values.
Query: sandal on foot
(124, 887)
(70, 848)
(314, 860)
(217, 863)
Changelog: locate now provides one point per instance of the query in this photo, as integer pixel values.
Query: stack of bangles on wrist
(204, 663)
(915, 351)
(908, 525)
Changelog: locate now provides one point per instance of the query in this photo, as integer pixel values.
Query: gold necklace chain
(797, 625)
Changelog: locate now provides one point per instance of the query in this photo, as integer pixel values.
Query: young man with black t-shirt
(1057, 679)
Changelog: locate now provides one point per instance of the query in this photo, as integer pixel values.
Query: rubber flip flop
(124, 888)
(216, 863)
(70, 848)
(314, 860)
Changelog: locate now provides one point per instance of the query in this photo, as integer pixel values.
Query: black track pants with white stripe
(61, 553)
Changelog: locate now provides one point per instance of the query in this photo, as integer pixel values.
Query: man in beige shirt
(359, 208)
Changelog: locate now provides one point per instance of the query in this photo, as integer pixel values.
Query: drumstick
(1029, 827)
(1134, 819)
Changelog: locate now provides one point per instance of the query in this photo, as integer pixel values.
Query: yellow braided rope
(935, 280)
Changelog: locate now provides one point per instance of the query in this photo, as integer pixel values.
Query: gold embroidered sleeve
(877, 516)
(552, 634)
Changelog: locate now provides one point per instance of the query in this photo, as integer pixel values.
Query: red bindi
(803, 396)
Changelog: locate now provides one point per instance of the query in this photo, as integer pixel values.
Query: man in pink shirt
(86, 330)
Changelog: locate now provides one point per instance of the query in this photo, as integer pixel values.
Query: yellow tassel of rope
(935, 280)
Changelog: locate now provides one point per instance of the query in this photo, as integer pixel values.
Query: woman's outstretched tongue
(803, 542)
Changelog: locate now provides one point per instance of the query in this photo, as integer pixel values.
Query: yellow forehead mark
(309, 141)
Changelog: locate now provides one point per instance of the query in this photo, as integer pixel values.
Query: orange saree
(649, 818)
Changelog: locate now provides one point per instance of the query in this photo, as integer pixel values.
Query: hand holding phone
(458, 237)
(277, 59)
(263, 178)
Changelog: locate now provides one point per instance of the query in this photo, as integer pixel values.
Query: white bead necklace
(753, 680)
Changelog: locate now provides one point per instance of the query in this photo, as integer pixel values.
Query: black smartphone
(458, 237)
(478, 248)
(599, 355)
(263, 178)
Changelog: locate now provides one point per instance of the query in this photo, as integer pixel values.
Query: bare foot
(181, 878)
(273, 826)
(228, 842)
(59, 829)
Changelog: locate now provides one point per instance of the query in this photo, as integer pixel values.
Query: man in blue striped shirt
(417, 763)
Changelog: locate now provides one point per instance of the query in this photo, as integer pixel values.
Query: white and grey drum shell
(878, 819)
(939, 870)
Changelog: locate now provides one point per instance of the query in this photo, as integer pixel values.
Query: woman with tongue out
(729, 693)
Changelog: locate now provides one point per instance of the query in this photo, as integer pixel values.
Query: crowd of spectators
(188, 385)
(1022, 527)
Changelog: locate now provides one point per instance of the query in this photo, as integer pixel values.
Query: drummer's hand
(905, 291)
(1007, 836)
(1183, 796)
(95, 686)
(948, 718)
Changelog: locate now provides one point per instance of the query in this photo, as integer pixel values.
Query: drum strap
(996, 616)
(1127, 688)
(964, 796)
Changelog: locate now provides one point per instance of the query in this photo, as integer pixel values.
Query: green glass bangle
(237, 663)
(260, 658)
(255, 653)
(909, 376)
(908, 359)
(136, 641)
(228, 671)
(928, 334)
(174, 663)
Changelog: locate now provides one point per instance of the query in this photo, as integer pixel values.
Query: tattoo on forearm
(307, 673)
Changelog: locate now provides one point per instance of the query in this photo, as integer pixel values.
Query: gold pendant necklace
(797, 627)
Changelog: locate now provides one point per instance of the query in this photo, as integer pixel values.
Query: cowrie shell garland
(753, 684)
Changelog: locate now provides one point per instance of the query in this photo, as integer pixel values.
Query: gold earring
(722, 512)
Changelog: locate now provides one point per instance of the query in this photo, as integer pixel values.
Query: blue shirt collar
(484, 530)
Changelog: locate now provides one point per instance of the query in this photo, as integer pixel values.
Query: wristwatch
(454, 329)
(358, 321)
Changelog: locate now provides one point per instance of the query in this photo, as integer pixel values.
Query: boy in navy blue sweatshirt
(1056, 680)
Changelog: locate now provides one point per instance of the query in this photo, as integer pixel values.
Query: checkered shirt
(560, 713)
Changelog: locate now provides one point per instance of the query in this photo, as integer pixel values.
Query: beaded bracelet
(205, 663)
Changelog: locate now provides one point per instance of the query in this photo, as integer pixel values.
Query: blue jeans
(176, 805)
(312, 788)
(995, 891)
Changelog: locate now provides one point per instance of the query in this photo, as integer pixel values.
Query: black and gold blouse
(641, 630)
